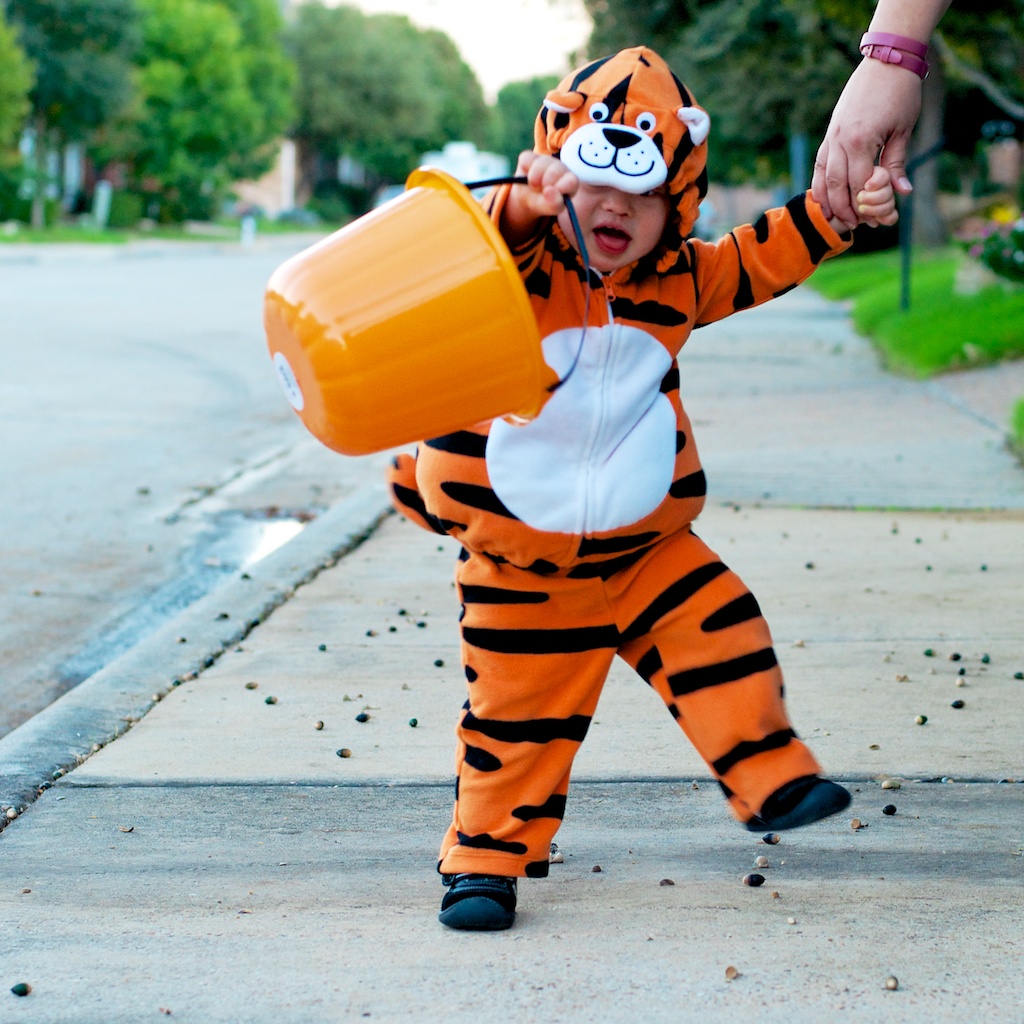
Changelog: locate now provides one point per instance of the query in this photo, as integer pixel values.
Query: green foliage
(1017, 426)
(16, 79)
(82, 51)
(126, 209)
(515, 113)
(215, 94)
(379, 90)
(1002, 250)
(942, 330)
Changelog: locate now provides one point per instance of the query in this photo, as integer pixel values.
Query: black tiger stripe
(673, 710)
(681, 440)
(762, 228)
(573, 640)
(568, 259)
(462, 442)
(649, 312)
(817, 247)
(472, 594)
(744, 297)
(607, 569)
(481, 760)
(672, 597)
(537, 869)
(533, 730)
(751, 748)
(609, 545)
(539, 283)
(743, 609)
(476, 496)
(783, 291)
(670, 382)
(585, 72)
(542, 567)
(730, 671)
(693, 486)
(413, 500)
(485, 841)
(649, 664)
(553, 807)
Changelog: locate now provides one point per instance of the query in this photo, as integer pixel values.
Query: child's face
(617, 227)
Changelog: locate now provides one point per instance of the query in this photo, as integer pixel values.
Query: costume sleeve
(757, 262)
(405, 495)
(528, 254)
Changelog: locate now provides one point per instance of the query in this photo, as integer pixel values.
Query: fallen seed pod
(889, 809)
(413, 722)
(270, 700)
(318, 725)
(251, 686)
(771, 838)
(921, 719)
(892, 983)
(761, 862)
(596, 869)
(856, 824)
(21, 989)
(344, 752)
(362, 717)
(556, 858)
(322, 647)
(666, 881)
(753, 879)
(891, 784)
(731, 974)
(958, 704)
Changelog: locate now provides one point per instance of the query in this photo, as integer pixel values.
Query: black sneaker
(799, 803)
(481, 903)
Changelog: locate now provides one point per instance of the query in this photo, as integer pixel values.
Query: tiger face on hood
(627, 121)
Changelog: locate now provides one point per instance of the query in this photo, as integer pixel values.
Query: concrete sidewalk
(221, 862)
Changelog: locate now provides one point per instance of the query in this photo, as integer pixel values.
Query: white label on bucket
(289, 382)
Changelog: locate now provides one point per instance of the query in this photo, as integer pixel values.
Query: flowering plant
(1001, 245)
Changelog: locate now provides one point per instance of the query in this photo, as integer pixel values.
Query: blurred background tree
(82, 51)
(214, 94)
(16, 80)
(770, 71)
(378, 91)
(514, 114)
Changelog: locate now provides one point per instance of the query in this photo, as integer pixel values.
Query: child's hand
(875, 203)
(549, 181)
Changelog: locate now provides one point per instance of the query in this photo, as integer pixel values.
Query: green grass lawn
(223, 230)
(941, 330)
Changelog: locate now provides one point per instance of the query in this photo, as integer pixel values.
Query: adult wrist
(894, 49)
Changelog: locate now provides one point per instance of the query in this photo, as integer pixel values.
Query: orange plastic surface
(411, 322)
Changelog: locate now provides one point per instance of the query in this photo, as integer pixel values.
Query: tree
(768, 68)
(82, 51)
(377, 89)
(213, 100)
(16, 80)
(271, 77)
(515, 113)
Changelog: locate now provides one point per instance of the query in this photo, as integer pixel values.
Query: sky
(501, 40)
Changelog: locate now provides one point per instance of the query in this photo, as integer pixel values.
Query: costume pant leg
(536, 652)
(696, 634)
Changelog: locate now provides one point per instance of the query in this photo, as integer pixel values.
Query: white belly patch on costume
(601, 454)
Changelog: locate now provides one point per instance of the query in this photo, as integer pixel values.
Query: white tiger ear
(697, 121)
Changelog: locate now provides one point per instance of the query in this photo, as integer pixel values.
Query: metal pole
(907, 221)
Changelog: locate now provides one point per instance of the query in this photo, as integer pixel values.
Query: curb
(108, 703)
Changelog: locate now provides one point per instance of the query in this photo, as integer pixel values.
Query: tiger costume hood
(629, 122)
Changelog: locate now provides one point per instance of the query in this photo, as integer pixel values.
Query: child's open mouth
(611, 240)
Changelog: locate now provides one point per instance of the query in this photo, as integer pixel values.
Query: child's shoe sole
(800, 802)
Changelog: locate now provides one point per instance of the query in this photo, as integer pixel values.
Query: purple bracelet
(893, 49)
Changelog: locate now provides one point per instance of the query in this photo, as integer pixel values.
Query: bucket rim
(433, 177)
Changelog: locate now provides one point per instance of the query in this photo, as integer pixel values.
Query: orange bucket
(411, 322)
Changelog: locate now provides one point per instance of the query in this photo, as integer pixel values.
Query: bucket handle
(584, 255)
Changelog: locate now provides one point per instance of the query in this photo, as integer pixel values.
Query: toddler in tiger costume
(576, 527)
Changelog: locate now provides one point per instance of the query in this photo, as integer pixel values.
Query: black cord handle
(584, 255)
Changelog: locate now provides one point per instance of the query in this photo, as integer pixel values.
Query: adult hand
(876, 112)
